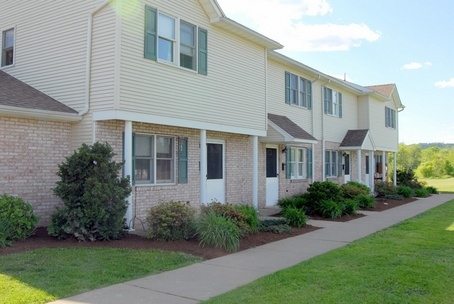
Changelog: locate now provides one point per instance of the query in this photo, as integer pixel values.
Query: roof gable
(288, 130)
(358, 139)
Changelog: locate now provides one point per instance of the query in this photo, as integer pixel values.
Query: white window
(166, 40)
(390, 118)
(7, 47)
(332, 102)
(154, 160)
(331, 163)
(298, 157)
(298, 91)
(187, 45)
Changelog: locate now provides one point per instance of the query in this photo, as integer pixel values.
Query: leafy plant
(171, 221)
(394, 197)
(353, 189)
(350, 206)
(432, 190)
(405, 191)
(214, 230)
(291, 201)
(423, 192)
(278, 226)
(252, 216)
(365, 201)
(318, 192)
(230, 212)
(330, 209)
(385, 188)
(17, 217)
(295, 216)
(5, 231)
(93, 195)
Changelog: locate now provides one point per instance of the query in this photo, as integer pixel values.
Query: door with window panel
(215, 172)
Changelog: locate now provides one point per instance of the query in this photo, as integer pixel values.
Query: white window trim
(334, 103)
(298, 102)
(295, 175)
(390, 118)
(7, 28)
(330, 165)
(154, 158)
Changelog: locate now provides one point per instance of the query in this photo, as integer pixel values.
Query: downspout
(88, 59)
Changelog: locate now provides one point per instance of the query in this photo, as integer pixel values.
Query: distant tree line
(427, 160)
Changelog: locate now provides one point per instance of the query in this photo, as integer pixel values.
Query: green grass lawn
(46, 275)
(411, 262)
(442, 184)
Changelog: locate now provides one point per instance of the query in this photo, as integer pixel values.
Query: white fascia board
(176, 122)
(39, 114)
(287, 138)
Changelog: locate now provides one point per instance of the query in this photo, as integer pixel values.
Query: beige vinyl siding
(276, 96)
(363, 112)
(232, 94)
(385, 138)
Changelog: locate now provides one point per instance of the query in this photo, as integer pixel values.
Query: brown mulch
(40, 239)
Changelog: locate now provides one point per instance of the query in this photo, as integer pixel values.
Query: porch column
(371, 171)
(395, 168)
(255, 171)
(203, 166)
(359, 165)
(383, 167)
(128, 169)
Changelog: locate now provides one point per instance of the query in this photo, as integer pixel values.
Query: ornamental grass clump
(216, 231)
(295, 216)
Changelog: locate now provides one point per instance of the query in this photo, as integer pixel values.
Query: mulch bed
(40, 239)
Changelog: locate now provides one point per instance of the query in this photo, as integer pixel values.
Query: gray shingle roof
(354, 138)
(290, 127)
(16, 93)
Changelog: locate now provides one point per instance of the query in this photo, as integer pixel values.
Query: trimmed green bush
(171, 221)
(383, 189)
(365, 201)
(405, 191)
(214, 230)
(330, 209)
(252, 216)
(295, 216)
(432, 190)
(17, 217)
(278, 226)
(5, 228)
(353, 189)
(291, 201)
(318, 192)
(394, 197)
(93, 194)
(350, 206)
(422, 192)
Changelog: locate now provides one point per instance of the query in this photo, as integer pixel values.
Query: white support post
(255, 173)
(203, 166)
(395, 168)
(128, 169)
(359, 166)
(383, 167)
(371, 171)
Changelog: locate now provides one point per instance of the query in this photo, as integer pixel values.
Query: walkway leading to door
(207, 279)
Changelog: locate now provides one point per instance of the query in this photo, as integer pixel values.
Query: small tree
(93, 195)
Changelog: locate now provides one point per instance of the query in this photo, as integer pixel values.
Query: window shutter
(203, 51)
(133, 177)
(309, 163)
(183, 160)
(287, 87)
(309, 94)
(339, 163)
(327, 162)
(325, 100)
(150, 49)
(340, 104)
(288, 165)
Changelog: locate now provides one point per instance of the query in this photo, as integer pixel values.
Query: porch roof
(283, 130)
(358, 140)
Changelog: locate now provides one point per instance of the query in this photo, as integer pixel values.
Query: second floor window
(175, 41)
(298, 91)
(332, 102)
(390, 118)
(7, 55)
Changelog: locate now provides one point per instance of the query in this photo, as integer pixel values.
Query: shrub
(405, 191)
(353, 189)
(397, 197)
(170, 221)
(318, 192)
(231, 213)
(350, 206)
(432, 190)
(93, 195)
(295, 216)
(407, 178)
(423, 192)
(5, 231)
(365, 201)
(252, 216)
(214, 230)
(17, 217)
(330, 209)
(278, 226)
(291, 201)
(385, 188)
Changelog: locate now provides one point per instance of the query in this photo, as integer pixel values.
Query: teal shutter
(327, 162)
(325, 100)
(339, 163)
(133, 177)
(340, 104)
(309, 163)
(203, 52)
(309, 94)
(151, 37)
(183, 160)
(287, 87)
(288, 165)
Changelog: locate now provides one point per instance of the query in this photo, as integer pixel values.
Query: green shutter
(327, 162)
(325, 100)
(150, 43)
(133, 177)
(309, 94)
(339, 95)
(288, 166)
(309, 163)
(183, 160)
(203, 52)
(339, 163)
(287, 87)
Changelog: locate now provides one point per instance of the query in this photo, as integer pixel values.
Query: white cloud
(445, 83)
(416, 65)
(288, 28)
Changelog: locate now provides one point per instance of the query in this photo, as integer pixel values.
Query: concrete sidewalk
(204, 280)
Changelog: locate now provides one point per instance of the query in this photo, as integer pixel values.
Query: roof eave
(38, 114)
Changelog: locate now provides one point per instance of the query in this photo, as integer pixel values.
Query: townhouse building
(199, 107)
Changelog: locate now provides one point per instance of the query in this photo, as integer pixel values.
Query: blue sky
(406, 42)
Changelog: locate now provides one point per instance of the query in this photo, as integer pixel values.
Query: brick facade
(30, 153)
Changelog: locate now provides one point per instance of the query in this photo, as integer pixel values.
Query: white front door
(215, 172)
(347, 177)
(272, 177)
